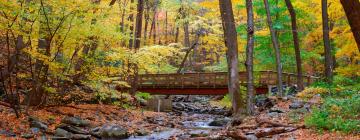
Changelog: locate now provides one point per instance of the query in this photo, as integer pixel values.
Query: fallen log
(5, 104)
(276, 124)
(269, 131)
(238, 135)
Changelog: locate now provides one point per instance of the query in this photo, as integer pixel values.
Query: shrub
(308, 93)
(337, 115)
(143, 95)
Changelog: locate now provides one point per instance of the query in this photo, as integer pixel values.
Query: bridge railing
(214, 80)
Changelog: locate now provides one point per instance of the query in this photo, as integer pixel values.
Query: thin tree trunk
(131, 20)
(326, 37)
(188, 52)
(275, 43)
(292, 12)
(166, 27)
(147, 17)
(249, 58)
(122, 24)
(351, 8)
(177, 34)
(230, 38)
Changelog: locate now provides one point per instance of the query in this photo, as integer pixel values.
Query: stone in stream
(61, 133)
(7, 133)
(96, 132)
(72, 129)
(36, 123)
(251, 137)
(75, 121)
(141, 132)
(113, 132)
(27, 136)
(80, 137)
(219, 122)
(276, 109)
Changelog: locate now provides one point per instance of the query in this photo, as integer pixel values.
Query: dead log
(276, 124)
(5, 104)
(238, 135)
(269, 131)
(246, 127)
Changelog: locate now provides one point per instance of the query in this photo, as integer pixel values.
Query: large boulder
(61, 133)
(75, 121)
(113, 132)
(36, 123)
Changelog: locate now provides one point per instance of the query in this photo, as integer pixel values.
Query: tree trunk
(131, 21)
(249, 57)
(275, 43)
(147, 18)
(296, 44)
(351, 8)
(177, 34)
(140, 9)
(188, 52)
(166, 27)
(230, 38)
(326, 37)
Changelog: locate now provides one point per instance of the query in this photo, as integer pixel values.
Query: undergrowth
(341, 108)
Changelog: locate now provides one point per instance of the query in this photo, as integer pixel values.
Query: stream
(192, 119)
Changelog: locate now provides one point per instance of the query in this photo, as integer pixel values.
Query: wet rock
(276, 109)
(27, 136)
(62, 133)
(141, 132)
(75, 121)
(273, 114)
(194, 134)
(296, 104)
(251, 137)
(263, 103)
(35, 130)
(73, 129)
(96, 132)
(80, 137)
(113, 132)
(36, 123)
(219, 122)
(179, 106)
(7, 133)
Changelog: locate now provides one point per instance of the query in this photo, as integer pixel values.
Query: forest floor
(140, 124)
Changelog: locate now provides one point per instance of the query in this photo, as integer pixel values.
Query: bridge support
(159, 103)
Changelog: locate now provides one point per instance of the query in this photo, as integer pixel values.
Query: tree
(138, 27)
(249, 57)
(276, 46)
(230, 38)
(292, 12)
(131, 21)
(351, 8)
(326, 38)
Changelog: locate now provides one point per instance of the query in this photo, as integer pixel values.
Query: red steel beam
(194, 91)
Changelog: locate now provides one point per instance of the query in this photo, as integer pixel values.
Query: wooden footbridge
(210, 83)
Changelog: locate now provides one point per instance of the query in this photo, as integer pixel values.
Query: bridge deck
(209, 83)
